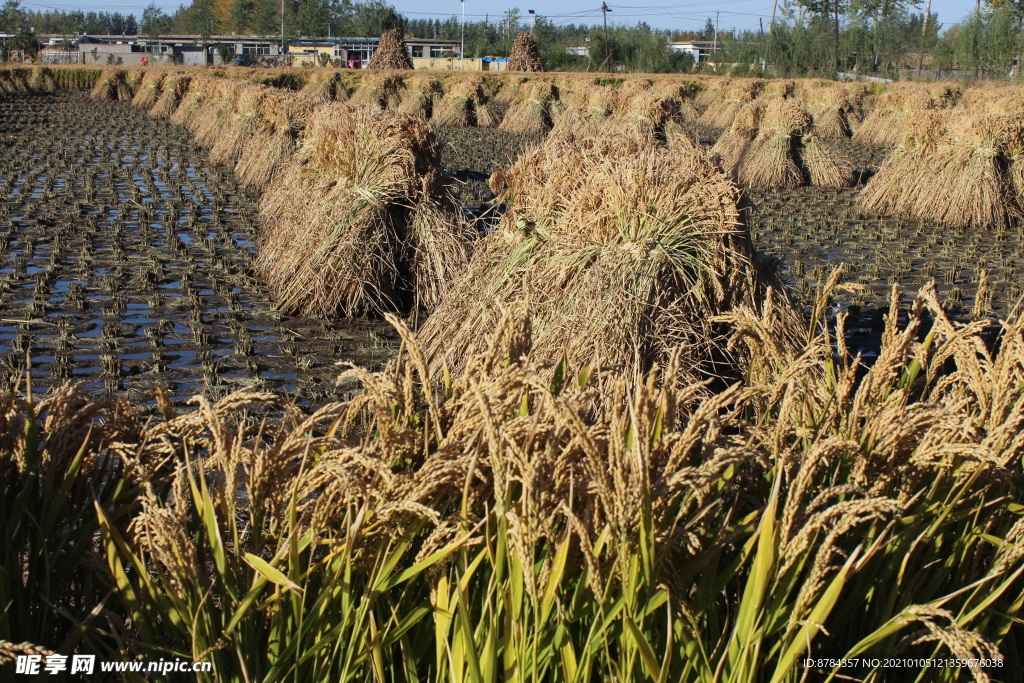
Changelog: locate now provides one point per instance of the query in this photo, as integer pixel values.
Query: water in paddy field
(125, 263)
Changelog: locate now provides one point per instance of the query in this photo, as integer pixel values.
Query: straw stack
(617, 248)
(357, 221)
(148, 91)
(42, 80)
(831, 108)
(732, 97)
(529, 113)
(283, 117)
(463, 104)
(324, 85)
(525, 56)
(172, 90)
(422, 93)
(955, 169)
(886, 124)
(391, 52)
(381, 90)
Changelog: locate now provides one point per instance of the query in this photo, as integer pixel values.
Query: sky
(738, 14)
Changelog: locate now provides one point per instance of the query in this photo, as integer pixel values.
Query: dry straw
(617, 247)
(324, 85)
(731, 98)
(954, 169)
(356, 221)
(391, 52)
(172, 90)
(276, 131)
(422, 93)
(148, 91)
(530, 111)
(886, 124)
(525, 55)
(463, 104)
(379, 89)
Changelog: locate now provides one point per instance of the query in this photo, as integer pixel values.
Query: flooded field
(125, 263)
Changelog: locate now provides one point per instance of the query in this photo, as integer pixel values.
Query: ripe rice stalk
(511, 83)
(391, 52)
(197, 99)
(893, 109)
(42, 80)
(710, 93)
(357, 215)
(830, 106)
(733, 145)
(172, 90)
(382, 90)
(245, 119)
(322, 85)
(529, 113)
(825, 166)
(771, 159)
(732, 97)
(616, 247)
(777, 88)
(952, 169)
(282, 118)
(148, 91)
(458, 106)
(421, 96)
(109, 85)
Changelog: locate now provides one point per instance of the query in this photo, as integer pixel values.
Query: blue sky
(740, 14)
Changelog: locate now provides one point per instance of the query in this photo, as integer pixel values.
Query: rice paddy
(400, 377)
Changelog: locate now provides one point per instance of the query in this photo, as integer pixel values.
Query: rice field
(395, 377)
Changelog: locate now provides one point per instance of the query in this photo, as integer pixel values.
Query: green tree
(12, 18)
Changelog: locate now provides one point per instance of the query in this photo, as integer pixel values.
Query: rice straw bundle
(355, 226)
(885, 125)
(722, 112)
(132, 81)
(200, 90)
(770, 161)
(617, 249)
(382, 90)
(830, 106)
(461, 105)
(525, 56)
(323, 85)
(42, 80)
(216, 117)
(242, 124)
(149, 90)
(172, 90)
(283, 117)
(509, 89)
(711, 92)
(777, 88)
(733, 145)
(109, 85)
(529, 113)
(825, 167)
(391, 52)
(422, 94)
(952, 169)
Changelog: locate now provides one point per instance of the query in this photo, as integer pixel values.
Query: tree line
(805, 37)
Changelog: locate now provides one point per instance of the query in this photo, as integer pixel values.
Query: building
(700, 50)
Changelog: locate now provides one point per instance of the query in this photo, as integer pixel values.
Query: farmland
(527, 377)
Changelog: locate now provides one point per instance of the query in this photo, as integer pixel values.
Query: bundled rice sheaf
(282, 118)
(14, 80)
(771, 144)
(42, 80)
(525, 55)
(886, 124)
(832, 109)
(148, 91)
(112, 85)
(358, 221)
(463, 104)
(172, 90)
(617, 247)
(956, 169)
(530, 112)
(731, 98)
(324, 85)
(391, 52)
(245, 119)
(381, 90)
(421, 96)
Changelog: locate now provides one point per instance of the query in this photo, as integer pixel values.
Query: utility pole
(837, 34)
(462, 50)
(533, 19)
(607, 50)
(924, 36)
(714, 45)
(771, 24)
(282, 30)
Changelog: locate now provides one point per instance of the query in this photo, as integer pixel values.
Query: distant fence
(59, 57)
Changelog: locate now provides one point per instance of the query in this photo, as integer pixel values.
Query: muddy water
(125, 263)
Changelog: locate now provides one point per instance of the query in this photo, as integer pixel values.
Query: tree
(154, 22)
(12, 18)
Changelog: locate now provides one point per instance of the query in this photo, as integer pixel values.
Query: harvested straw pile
(530, 112)
(148, 91)
(422, 94)
(391, 52)
(282, 118)
(381, 90)
(771, 144)
(42, 80)
(525, 56)
(617, 247)
(245, 118)
(832, 109)
(324, 85)
(172, 90)
(463, 104)
(112, 85)
(886, 124)
(952, 169)
(732, 97)
(357, 220)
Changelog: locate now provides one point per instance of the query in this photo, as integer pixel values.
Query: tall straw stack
(617, 248)
(357, 222)
(953, 169)
(391, 52)
(525, 55)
